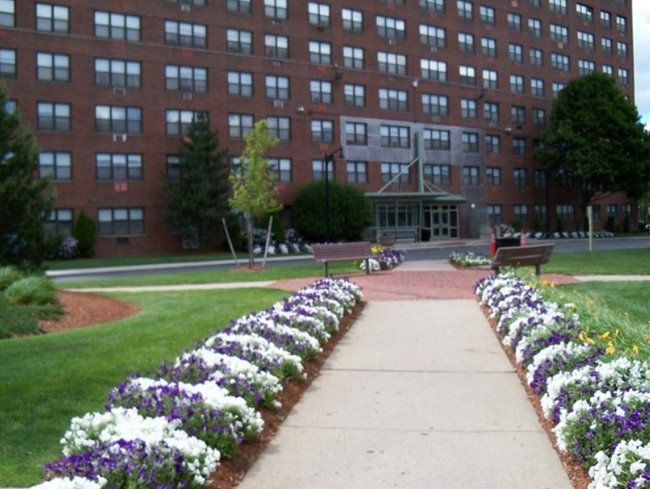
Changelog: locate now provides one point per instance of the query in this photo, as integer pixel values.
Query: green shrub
(16, 320)
(8, 275)
(85, 232)
(35, 289)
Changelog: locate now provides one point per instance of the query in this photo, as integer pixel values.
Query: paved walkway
(417, 395)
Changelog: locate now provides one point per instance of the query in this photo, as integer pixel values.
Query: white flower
(74, 483)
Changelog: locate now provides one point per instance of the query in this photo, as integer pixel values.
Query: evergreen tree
(254, 190)
(25, 200)
(197, 201)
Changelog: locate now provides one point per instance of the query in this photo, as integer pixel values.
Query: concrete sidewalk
(418, 394)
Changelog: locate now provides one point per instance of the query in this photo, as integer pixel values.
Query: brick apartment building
(436, 105)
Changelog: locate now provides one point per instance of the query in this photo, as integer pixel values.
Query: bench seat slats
(514, 256)
(358, 250)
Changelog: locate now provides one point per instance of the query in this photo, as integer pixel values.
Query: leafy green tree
(595, 144)
(254, 191)
(25, 200)
(350, 212)
(198, 199)
(85, 232)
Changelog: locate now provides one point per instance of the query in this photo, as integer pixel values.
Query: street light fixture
(326, 161)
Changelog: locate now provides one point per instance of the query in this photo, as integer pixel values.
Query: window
(352, 20)
(7, 13)
(196, 3)
(353, 57)
(281, 169)
(277, 87)
(120, 221)
(470, 142)
(557, 86)
(606, 19)
(391, 28)
(51, 18)
(239, 125)
(320, 52)
(240, 84)
(433, 36)
(541, 178)
(276, 46)
(519, 146)
(395, 171)
(118, 166)
(470, 175)
(494, 212)
(487, 15)
(558, 6)
(59, 222)
(621, 47)
(319, 14)
(586, 40)
(391, 63)
(7, 63)
(623, 76)
(279, 127)
(52, 67)
(436, 105)
(609, 70)
(468, 109)
(357, 171)
(184, 34)
(491, 111)
(433, 70)
(178, 121)
(186, 78)
(437, 139)
(437, 174)
(517, 84)
(585, 13)
(117, 73)
(535, 27)
(559, 33)
(465, 42)
(534, 3)
(320, 92)
(493, 176)
(318, 168)
(536, 57)
(239, 41)
(355, 95)
(514, 22)
(521, 213)
(516, 52)
(539, 117)
(560, 62)
(537, 87)
(467, 75)
(53, 116)
(492, 144)
(519, 177)
(111, 25)
(489, 47)
(356, 133)
(56, 164)
(391, 99)
(564, 212)
(243, 6)
(607, 45)
(276, 9)
(433, 5)
(490, 79)
(322, 131)
(118, 120)
(586, 67)
(465, 9)
(174, 168)
(395, 136)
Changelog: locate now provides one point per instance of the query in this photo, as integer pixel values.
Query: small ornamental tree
(85, 232)
(349, 209)
(254, 191)
(25, 200)
(198, 199)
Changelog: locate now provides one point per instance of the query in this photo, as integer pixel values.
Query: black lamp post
(329, 157)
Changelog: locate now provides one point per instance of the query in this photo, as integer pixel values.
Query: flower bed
(384, 259)
(171, 429)
(599, 405)
(465, 259)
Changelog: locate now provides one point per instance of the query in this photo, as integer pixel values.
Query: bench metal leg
(326, 270)
(367, 266)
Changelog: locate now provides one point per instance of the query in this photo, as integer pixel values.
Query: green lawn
(615, 262)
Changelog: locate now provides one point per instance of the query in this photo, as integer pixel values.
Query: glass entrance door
(442, 221)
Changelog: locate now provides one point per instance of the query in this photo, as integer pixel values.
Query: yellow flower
(604, 336)
(611, 349)
(635, 349)
(583, 336)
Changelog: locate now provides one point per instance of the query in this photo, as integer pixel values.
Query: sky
(641, 30)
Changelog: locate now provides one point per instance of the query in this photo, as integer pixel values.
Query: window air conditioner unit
(119, 91)
(187, 95)
(278, 103)
(119, 138)
(185, 7)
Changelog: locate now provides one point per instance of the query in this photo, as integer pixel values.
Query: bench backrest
(355, 250)
(524, 255)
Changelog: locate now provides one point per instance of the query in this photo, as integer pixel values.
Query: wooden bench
(357, 250)
(516, 256)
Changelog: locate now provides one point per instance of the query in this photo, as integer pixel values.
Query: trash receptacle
(504, 242)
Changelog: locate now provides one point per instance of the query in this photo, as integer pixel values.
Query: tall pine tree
(25, 200)
(198, 200)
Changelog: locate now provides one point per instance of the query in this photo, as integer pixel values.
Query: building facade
(431, 107)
